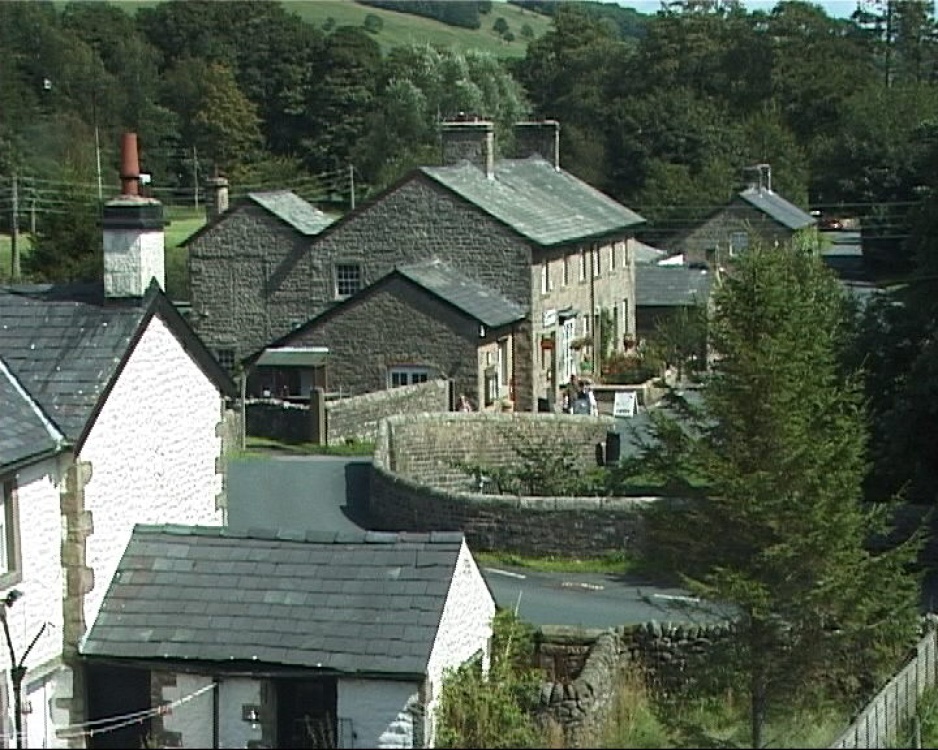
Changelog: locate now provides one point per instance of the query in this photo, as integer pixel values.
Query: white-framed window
(582, 265)
(408, 375)
(348, 279)
(612, 256)
(9, 534)
(565, 280)
(739, 241)
(491, 385)
(597, 258)
(546, 285)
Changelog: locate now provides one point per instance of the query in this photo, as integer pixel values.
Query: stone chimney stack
(538, 138)
(470, 139)
(134, 241)
(216, 197)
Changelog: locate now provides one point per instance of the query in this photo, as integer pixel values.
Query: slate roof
(65, 347)
(670, 286)
(545, 205)
(24, 431)
(482, 303)
(648, 254)
(289, 207)
(353, 603)
(64, 352)
(777, 208)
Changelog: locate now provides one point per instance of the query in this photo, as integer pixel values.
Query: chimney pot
(130, 165)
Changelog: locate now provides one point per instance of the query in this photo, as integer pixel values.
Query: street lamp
(17, 670)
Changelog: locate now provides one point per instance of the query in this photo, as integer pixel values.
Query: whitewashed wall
(153, 450)
(193, 719)
(465, 628)
(379, 711)
(233, 731)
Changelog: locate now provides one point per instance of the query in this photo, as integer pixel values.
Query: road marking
(677, 598)
(578, 585)
(508, 573)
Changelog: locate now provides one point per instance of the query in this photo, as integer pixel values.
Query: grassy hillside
(401, 28)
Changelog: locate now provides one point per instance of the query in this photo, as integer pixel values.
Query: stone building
(523, 228)
(754, 215)
(248, 267)
(417, 323)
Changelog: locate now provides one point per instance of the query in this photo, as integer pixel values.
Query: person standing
(464, 403)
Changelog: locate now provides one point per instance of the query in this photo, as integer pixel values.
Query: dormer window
(348, 279)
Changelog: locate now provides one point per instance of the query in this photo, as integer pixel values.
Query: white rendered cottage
(288, 639)
(111, 413)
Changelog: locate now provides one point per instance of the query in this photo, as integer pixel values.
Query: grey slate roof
(481, 302)
(777, 208)
(64, 352)
(670, 286)
(24, 431)
(648, 254)
(356, 603)
(289, 207)
(546, 205)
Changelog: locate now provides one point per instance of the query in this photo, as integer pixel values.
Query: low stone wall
(581, 700)
(346, 419)
(417, 485)
(357, 417)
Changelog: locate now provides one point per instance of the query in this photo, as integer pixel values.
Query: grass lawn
(402, 28)
(613, 563)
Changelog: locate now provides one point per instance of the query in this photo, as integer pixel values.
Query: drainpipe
(215, 711)
(594, 320)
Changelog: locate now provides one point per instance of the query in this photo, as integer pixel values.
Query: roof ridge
(302, 536)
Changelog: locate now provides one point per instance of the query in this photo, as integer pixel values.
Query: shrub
(630, 369)
(373, 24)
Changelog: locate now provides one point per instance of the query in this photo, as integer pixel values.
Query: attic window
(739, 241)
(348, 279)
(226, 358)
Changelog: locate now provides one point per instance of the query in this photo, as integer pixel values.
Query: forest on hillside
(664, 119)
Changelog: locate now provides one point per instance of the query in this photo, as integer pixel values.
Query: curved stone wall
(417, 484)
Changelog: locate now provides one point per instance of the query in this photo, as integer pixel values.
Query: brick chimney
(216, 197)
(470, 139)
(540, 139)
(134, 242)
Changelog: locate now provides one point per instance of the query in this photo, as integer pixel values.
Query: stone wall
(353, 418)
(584, 668)
(417, 484)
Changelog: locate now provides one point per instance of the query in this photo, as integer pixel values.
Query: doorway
(116, 692)
(306, 714)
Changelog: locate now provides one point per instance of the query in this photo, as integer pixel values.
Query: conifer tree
(778, 538)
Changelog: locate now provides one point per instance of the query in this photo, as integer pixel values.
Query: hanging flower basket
(584, 342)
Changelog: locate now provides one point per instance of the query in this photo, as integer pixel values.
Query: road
(325, 493)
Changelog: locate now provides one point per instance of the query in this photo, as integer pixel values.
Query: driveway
(328, 492)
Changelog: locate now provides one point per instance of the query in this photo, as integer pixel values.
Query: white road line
(508, 573)
(677, 598)
(578, 585)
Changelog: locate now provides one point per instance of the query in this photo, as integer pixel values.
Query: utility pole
(351, 182)
(14, 231)
(195, 176)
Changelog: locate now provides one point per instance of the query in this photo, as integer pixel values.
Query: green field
(402, 28)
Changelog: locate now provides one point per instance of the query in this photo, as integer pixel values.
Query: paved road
(324, 492)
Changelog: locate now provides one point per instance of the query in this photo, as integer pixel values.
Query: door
(565, 355)
(117, 692)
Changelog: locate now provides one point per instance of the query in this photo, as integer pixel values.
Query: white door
(565, 355)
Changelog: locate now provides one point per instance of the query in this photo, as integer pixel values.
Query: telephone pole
(14, 231)
(351, 183)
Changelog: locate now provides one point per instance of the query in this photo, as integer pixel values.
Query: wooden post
(317, 416)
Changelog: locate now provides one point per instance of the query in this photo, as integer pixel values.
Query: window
(565, 279)
(545, 277)
(596, 255)
(503, 363)
(582, 265)
(739, 241)
(9, 536)
(348, 279)
(612, 256)
(226, 358)
(401, 376)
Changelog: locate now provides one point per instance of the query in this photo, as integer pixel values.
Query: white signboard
(625, 404)
(550, 318)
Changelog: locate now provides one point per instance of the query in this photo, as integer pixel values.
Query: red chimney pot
(130, 165)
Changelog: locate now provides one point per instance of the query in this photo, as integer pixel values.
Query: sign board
(550, 318)
(625, 404)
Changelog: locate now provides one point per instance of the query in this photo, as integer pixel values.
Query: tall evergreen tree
(779, 535)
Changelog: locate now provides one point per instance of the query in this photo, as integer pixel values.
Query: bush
(630, 369)
(373, 24)
(500, 26)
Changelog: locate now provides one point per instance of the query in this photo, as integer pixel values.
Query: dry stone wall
(417, 484)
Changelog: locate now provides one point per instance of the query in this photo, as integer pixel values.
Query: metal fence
(890, 712)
